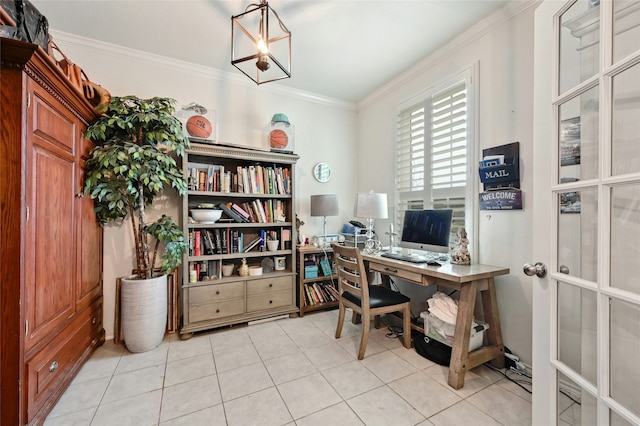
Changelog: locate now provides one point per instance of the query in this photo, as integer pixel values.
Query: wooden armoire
(50, 240)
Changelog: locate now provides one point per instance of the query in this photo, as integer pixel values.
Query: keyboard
(407, 257)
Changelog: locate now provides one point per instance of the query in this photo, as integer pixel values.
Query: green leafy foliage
(131, 163)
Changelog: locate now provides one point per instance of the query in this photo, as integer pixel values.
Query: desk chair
(364, 299)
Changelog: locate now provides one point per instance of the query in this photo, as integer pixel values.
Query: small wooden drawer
(264, 286)
(269, 293)
(215, 310)
(396, 272)
(215, 301)
(215, 293)
(270, 300)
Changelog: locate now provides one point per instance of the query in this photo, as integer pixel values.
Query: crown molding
(145, 58)
(488, 24)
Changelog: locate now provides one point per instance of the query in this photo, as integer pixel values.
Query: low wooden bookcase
(313, 291)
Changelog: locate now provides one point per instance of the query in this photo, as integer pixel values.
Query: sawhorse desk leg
(461, 359)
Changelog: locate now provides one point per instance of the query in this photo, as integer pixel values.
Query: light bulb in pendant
(262, 63)
(262, 46)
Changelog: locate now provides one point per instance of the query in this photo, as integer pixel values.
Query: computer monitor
(427, 230)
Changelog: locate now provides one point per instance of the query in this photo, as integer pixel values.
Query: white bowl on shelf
(206, 215)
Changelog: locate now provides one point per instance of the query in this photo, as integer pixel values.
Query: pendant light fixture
(261, 44)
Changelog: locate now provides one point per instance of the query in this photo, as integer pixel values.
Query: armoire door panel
(89, 245)
(52, 123)
(50, 243)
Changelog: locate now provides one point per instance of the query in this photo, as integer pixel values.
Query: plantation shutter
(410, 155)
(431, 164)
(449, 151)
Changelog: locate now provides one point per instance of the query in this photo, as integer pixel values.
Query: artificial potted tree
(130, 164)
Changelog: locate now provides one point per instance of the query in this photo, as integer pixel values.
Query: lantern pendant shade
(261, 44)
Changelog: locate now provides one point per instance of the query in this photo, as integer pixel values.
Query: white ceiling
(342, 49)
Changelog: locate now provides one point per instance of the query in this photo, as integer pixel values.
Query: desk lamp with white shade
(371, 205)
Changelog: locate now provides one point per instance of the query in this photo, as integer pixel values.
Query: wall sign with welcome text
(501, 199)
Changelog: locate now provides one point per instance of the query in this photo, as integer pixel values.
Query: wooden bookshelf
(308, 302)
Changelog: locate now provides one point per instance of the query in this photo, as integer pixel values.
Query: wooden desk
(469, 280)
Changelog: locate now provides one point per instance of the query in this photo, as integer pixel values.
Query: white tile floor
(285, 372)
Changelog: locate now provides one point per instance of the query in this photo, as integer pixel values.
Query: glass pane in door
(625, 238)
(579, 44)
(626, 27)
(616, 420)
(624, 368)
(576, 407)
(578, 136)
(577, 329)
(578, 233)
(625, 121)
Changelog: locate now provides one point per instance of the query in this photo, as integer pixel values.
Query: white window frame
(469, 191)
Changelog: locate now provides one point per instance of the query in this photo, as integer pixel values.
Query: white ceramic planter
(272, 245)
(143, 310)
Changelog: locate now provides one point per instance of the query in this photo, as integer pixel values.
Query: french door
(586, 320)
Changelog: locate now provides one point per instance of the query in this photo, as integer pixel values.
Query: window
(432, 155)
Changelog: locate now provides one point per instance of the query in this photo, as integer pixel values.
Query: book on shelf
(210, 173)
(257, 208)
(217, 244)
(253, 244)
(221, 172)
(196, 244)
(238, 183)
(263, 243)
(234, 241)
(223, 242)
(241, 242)
(230, 213)
(318, 293)
(252, 180)
(332, 289)
(245, 181)
(310, 295)
(248, 207)
(209, 248)
(202, 180)
(241, 212)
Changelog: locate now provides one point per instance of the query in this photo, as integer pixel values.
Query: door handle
(564, 269)
(539, 269)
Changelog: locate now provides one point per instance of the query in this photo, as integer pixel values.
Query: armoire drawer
(50, 366)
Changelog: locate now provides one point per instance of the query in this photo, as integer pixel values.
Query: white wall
(325, 131)
(504, 56)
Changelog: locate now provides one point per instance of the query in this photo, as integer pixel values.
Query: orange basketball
(278, 139)
(199, 127)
